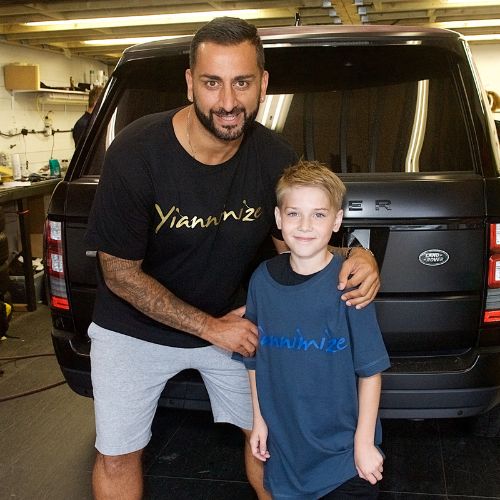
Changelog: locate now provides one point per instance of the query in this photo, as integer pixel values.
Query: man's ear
(189, 83)
(277, 216)
(263, 85)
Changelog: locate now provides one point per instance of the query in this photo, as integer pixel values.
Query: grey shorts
(128, 376)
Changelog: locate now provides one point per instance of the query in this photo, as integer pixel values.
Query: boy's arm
(258, 438)
(367, 457)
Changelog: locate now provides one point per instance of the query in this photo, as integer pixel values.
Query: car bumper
(431, 389)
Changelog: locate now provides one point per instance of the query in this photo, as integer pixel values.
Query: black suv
(399, 114)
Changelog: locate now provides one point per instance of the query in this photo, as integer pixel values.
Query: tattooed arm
(126, 279)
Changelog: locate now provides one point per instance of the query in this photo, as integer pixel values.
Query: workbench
(20, 194)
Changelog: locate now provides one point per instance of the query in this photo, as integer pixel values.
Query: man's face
(226, 87)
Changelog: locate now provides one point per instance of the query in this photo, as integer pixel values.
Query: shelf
(53, 96)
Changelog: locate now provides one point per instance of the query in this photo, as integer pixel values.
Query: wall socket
(47, 123)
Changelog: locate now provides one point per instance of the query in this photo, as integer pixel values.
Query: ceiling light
(183, 17)
(478, 23)
(127, 41)
(482, 38)
(474, 2)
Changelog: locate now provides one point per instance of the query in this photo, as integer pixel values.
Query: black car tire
(4, 247)
(2, 219)
(4, 277)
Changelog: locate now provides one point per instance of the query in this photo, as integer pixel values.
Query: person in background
(82, 122)
(315, 379)
(184, 202)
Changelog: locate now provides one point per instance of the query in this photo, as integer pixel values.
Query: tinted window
(360, 109)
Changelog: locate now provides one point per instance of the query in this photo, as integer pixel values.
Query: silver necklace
(193, 152)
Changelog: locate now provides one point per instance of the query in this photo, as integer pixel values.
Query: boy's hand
(360, 270)
(369, 462)
(258, 440)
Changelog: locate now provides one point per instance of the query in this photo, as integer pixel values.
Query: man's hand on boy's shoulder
(359, 272)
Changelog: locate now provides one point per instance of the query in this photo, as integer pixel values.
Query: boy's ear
(277, 216)
(338, 220)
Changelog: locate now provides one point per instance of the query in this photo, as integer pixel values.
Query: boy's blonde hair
(312, 173)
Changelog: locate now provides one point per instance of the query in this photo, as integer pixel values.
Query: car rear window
(359, 107)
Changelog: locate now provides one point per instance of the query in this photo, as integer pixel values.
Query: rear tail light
(54, 265)
(491, 316)
(494, 271)
(495, 237)
(492, 313)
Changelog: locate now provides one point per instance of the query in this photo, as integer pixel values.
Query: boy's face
(307, 220)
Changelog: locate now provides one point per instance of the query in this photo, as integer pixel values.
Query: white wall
(487, 60)
(25, 110)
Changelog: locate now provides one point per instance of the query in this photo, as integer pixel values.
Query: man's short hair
(94, 93)
(227, 31)
(312, 173)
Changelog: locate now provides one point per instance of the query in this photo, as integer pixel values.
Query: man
(81, 125)
(184, 202)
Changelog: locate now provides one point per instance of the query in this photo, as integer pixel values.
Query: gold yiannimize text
(174, 219)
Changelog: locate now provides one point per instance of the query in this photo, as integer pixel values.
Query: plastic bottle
(16, 167)
(55, 168)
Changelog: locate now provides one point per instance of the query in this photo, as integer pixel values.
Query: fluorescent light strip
(183, 17)
(126, 41)
(477, 23)
(482, 38)
(474, 3)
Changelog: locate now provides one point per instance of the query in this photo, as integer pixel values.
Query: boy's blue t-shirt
(312, 348)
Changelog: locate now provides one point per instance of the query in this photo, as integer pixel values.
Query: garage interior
(47, 434)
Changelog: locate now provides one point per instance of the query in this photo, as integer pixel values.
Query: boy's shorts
(128, 376)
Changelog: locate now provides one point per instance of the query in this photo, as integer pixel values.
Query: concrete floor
(47, 443)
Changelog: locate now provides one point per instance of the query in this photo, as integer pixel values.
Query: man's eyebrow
(210, 77)
(245, 77)
(217, 77)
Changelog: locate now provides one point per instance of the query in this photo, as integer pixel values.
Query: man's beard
(230, 132)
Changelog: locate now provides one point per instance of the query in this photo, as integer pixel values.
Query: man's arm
(126, 279)
(362, 269)
(367, 457)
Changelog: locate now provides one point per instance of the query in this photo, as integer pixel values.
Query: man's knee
(116, 465)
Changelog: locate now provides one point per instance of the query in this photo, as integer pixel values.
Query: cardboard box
(36, 244)
(22, 76)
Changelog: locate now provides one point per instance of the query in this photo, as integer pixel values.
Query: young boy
(316, 377)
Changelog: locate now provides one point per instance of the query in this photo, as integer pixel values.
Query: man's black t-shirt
(197, 227)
